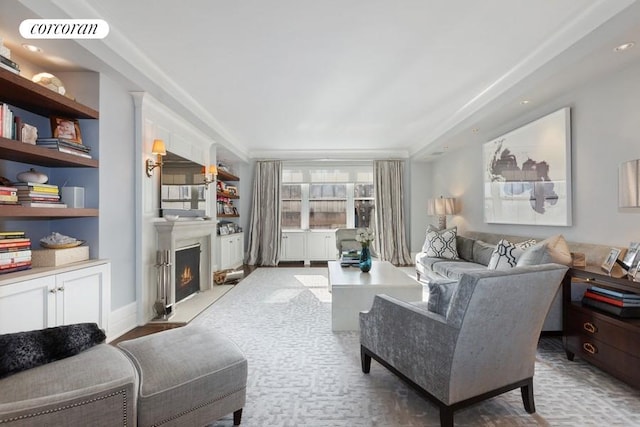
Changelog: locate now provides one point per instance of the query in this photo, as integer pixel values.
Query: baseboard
(122, 321)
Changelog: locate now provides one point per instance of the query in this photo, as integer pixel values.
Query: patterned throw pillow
(506, 254)
(441, 243)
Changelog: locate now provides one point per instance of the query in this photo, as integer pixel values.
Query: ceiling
(341, 79)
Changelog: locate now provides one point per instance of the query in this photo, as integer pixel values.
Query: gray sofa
(474, 254)
(186, 376)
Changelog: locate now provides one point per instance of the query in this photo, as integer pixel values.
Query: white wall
(605, 132)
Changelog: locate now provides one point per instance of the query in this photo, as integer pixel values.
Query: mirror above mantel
(182, 189)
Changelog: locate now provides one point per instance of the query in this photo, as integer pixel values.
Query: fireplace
(187, 280)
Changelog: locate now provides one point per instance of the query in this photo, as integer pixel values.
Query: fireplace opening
(187, 280)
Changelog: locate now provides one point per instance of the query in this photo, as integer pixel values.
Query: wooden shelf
(9, 211)
(23, 93)
(226, 176)
(228, 196)
(17, 151)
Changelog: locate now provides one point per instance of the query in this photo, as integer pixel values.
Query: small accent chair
(482, 346)
(346, 240)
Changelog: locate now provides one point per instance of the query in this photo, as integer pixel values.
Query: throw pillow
(441, 243)
(464, 246)
(440, 297)
(505, 256)
(482, 252)
(554, 249)
(25, 350)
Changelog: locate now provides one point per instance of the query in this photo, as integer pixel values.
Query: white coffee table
(352, 291)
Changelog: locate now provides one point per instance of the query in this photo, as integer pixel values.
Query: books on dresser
(620, 303)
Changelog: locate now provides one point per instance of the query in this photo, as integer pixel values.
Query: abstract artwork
(527, 173)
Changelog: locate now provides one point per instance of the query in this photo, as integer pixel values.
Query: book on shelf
(12, 199)
(611, 300)
(6, 61)
(15, 246)
(614, 293)
(29, 187)
(32, 204)
(17, 268)
(12, 234)
(8, 67)
(7, 190)
(15, 262)
(613, 309)
(62, 142)
(16, 254)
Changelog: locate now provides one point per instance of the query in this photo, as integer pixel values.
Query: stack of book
(8, 195)
(348, 258)
(620, 303)
(35, 195)
(15, 251)
(65, 146)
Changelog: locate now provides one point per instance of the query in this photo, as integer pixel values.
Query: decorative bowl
(62, 245)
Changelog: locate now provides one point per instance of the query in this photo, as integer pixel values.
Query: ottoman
(189, 376)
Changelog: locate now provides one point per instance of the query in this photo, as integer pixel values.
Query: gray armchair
(483, 344)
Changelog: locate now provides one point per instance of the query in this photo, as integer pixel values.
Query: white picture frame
(610, 260)
(527, 173)
(631, 257)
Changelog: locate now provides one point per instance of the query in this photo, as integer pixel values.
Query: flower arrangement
(364, 236)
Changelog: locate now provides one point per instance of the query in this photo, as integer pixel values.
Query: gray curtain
(391, 238)
(264, 229)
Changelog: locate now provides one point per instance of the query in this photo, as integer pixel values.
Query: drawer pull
(589, 327)
(590, 348)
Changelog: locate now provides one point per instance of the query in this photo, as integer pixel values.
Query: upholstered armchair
(346, 240)
(481, 343)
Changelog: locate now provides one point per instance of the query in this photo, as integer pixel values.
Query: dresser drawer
(603, 328)
(622, 365)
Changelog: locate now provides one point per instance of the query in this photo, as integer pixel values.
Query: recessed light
(475, 130)
(624, 46)
(32, 48)
(524, 102)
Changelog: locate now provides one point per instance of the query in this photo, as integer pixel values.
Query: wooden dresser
(607, 341)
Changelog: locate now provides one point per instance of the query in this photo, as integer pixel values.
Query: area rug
(301, 374)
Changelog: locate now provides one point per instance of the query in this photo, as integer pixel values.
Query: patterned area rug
(303, 375)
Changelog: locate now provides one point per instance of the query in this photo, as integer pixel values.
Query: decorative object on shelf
(629, 184)
(631, 257)
(171, 217)
(527, 173)
(28, 133)
(159, 150)
(209, 176)
(365, 237)
(67, 129)
(59, 241)
(32, 175)
(50, 82)
(441, 207)
(610, 261)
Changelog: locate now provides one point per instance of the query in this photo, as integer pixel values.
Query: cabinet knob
(61, 288)
(589, 348)
(53, 291)
(589, 327)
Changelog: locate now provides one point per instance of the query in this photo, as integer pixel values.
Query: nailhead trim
(122, 392)
(173, 417)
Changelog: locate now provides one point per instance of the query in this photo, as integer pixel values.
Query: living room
(581, 72)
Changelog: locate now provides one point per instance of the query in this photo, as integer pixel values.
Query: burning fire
(186, 276)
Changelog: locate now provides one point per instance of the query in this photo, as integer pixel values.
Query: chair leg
(237, 417)
(446, 417)
(527, 397)
(365, 361)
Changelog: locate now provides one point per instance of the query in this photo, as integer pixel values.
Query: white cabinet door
(83, 296)
(27, 305)
(321, 245)
(231, 249)
(225, 250)
(238, 250)
(293, 246)
(76, 296)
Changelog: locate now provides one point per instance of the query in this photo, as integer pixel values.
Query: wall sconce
(629, 184)
(441, 207)
(210, 176)
(158, 149)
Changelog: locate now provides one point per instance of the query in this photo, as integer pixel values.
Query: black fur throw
(24, 350)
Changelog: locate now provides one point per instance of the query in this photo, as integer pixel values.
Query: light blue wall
(604, 116)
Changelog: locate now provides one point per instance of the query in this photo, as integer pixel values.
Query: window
(321, 197)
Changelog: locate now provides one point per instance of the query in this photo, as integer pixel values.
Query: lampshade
(213, 170)
(158, 147)
(629, 184)
(441, 206)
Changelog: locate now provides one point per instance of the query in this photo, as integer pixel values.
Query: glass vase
(365, 259)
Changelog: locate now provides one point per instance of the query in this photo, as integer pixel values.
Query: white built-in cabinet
(231, 250)
(74, 294)
(308, 245)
